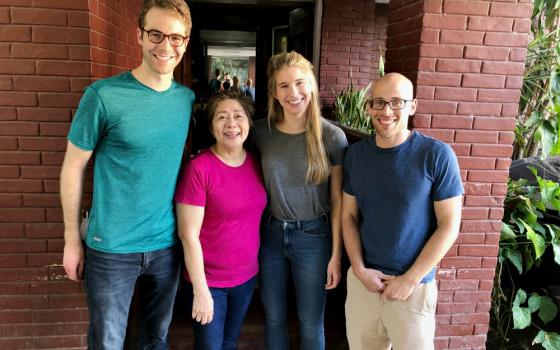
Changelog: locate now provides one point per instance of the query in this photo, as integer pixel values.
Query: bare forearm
(194, 262)
(448, 214)
(336, 209)
(352, 242)
(71, 190)
(336, 227)
(434, 250)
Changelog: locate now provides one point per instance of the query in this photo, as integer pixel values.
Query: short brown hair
(180, 7)
(245, 102)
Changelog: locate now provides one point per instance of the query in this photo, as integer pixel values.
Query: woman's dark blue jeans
(230, 308)
(299, 250)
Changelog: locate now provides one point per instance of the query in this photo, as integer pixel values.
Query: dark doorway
(268, 21)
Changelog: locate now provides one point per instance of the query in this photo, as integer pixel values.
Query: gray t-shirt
(284, 164)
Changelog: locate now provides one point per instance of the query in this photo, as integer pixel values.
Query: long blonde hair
(318, 165)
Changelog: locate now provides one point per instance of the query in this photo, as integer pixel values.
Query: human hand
(203, 307)
(373, 280)
(333, 273)
(73, 259)
(399, 288)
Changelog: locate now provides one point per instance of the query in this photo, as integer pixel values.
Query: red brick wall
(350, 43)
(469, 71)
(114, 45)
(404, 36)
(45, 62)
(379, 37)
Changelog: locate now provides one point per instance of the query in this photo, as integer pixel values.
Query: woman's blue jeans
(230, 307)
(299, 250)
(110, 280)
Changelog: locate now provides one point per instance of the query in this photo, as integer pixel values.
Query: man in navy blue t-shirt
(401, 212)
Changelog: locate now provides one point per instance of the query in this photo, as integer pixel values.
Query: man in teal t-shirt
(135, 124)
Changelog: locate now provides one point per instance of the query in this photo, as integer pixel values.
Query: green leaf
(534, 302)
(548, 138)
(537, 135)
(521, 317)
(530, 216)
(520, 297)
(552, 342)
(507, 232)
(533, 119)
(554, 231)
(515, 257)
(539, 243)
(528, 258)
(549, 340)
(548, 309)
(537, 7)
(540, 338)
(556, 250)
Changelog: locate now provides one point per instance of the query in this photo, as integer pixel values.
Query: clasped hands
(389, 286)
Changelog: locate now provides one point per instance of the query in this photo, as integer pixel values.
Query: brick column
(46, 49)
(348, 38)
(467, 60)
(114, 45)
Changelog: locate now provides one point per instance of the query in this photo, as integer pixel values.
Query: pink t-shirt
(233, 199)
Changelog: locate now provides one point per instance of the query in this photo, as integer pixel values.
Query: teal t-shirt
(137, 135)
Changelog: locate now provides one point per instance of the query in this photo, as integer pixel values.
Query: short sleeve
(336, 144)
(447, 177)
(346, 183)
(89, 122)
(192, 186)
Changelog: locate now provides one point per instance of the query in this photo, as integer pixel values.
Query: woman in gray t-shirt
(301, 156)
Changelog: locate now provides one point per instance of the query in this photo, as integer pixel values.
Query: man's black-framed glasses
(394, 103)
(156, 37)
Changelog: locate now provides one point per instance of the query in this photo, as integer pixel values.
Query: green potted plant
(350, 109)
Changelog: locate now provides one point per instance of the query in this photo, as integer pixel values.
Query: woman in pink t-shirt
(220, 199)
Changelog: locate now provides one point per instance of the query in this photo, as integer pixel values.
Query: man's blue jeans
(230, 308)
(301, 249)
(110, 280)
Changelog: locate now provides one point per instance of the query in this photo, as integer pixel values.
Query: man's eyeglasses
(394, 104)
(156, 37)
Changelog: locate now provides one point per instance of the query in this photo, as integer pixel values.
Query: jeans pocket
(319, 229)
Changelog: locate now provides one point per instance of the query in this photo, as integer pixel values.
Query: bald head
(393, 85)
(392, 106)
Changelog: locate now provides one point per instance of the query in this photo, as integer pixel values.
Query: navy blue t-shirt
(395, 189)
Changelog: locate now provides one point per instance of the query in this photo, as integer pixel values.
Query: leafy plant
(350, 104)
(350, 108)
(525, 238)
(538, 124)
(545, 306)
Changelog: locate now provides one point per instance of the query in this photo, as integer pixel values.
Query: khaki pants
(375, 324)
